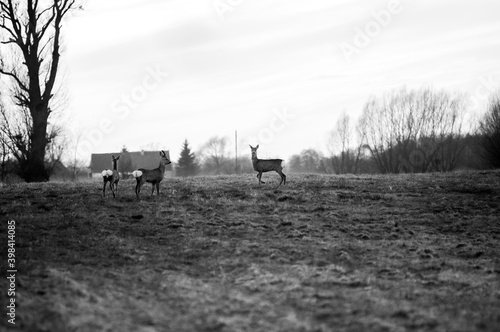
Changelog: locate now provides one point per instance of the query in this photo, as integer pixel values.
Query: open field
(323, 253)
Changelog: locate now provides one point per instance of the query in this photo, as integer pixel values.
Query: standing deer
(153, 176)
(266, 165)
(111, 176)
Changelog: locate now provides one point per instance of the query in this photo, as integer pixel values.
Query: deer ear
(257, 146)
(250, 146)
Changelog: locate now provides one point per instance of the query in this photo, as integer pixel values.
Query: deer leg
(279, 173)
(158, 188)
(283, 177)
(152, 188)
(259, 176)
(104, 189)
(138, 188)
(116, 187)
(112, 188)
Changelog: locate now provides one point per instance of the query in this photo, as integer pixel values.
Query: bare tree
(308, 161)
(214, 154)
(344, 158)
(374, 125)
(74, 163)
(340, 139)
(152, 146)
(414, 131)
(55, 149)
(295, 163)
(30, 36)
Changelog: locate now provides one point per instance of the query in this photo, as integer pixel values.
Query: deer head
(254, 150)
(115, 160)
(164, 158)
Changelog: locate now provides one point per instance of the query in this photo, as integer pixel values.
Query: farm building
(129, 161)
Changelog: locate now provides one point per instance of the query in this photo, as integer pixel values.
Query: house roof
(139, 159)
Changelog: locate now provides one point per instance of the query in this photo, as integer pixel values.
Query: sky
(148, 74)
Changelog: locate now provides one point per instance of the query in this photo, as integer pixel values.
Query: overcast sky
(151, 73)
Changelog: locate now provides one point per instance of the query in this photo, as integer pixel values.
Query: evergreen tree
(186, 165)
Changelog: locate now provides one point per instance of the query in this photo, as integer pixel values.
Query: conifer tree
(187, 165)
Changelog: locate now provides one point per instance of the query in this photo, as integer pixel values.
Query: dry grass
(323, 253)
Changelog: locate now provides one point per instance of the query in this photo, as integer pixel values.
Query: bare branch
(42, 49)
(47, 24)
(14, 76)
(3, 17)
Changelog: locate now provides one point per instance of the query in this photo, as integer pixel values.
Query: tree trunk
(35, 170)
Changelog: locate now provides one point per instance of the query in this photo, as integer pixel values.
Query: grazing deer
(266, 165)
(153, 176)
(111, 176)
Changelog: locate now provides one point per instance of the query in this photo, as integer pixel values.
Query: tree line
(403, 131)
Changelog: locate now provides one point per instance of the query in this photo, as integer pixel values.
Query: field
(323, 253)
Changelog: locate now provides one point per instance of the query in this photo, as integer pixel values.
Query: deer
(153, 176)
(266, 165)
(111, 176)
